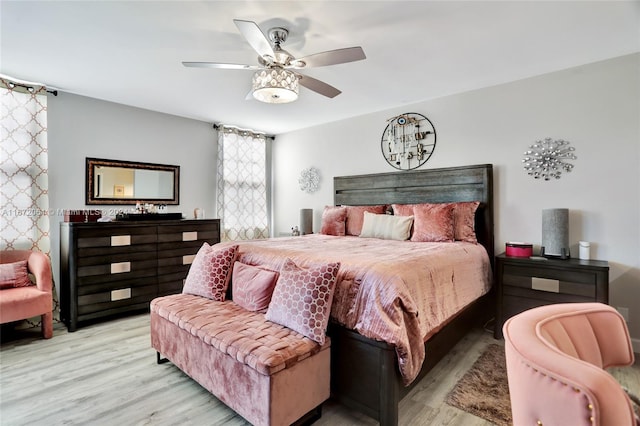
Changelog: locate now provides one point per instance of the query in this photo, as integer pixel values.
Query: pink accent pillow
(402, 209)
(252, 286)
(302, 298)
(210, 272)
(333, 221)
(355, 217)
(432, 223)
(14, 275)
(464, 220)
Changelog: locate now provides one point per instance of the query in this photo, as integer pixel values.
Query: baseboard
(635, 344)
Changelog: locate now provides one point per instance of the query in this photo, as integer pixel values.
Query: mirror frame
(91, 163)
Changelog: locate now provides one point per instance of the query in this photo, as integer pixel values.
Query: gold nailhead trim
(590, 407)
(591, 419)
(552, 378)
(539, 423)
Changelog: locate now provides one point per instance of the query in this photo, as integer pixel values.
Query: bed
(374, 366)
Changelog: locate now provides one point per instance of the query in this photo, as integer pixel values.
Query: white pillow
(386, 226)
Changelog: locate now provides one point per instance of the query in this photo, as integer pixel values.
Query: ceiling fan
(274, 80)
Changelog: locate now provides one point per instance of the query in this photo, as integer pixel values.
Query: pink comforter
(399, 292)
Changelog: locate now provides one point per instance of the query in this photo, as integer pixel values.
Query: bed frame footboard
(364, 372)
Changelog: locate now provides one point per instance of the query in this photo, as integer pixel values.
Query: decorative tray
(148, 216)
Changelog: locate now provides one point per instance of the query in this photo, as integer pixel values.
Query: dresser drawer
(117, 270)
(110, 285)
(189, 231)
(170, 287)
(118, 298)
(183, 256)
(109, 258)
(148, 249)
(108, 236)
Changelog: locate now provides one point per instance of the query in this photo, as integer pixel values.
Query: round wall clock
(408, 141)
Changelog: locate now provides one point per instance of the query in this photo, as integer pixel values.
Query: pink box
(519, 249)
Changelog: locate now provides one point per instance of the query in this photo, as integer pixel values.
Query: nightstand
(524, 283)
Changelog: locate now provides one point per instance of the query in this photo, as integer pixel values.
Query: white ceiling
(131, 52)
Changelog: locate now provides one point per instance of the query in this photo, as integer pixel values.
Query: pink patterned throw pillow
(333, 221)
(302, 298)
(14, 275)
(252, 286)
(210, 272)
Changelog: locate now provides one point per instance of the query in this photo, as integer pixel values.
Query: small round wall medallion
(546, 159)
(408, 141)
(309, 180)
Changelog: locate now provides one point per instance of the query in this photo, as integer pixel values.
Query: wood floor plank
(106, 374)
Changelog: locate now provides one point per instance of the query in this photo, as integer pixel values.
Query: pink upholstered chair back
(556, 356)
(26, 302)
(38, 264)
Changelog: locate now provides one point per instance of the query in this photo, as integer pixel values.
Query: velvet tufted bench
(267, 373)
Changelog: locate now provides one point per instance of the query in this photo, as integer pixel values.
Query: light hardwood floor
(106, 374)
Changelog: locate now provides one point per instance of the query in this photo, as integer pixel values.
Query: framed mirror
(127, 182)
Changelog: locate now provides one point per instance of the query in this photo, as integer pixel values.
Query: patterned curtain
(24, 183)
(242, 184)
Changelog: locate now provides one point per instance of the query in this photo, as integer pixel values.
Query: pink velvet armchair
(556, 356)
(18, 303)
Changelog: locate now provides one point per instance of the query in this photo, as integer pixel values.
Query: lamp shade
(306, 221)
(555, 232)
(275, 86)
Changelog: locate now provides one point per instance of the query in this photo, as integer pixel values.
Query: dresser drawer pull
(120, 240)
(123, 293)
(545, 284)
(190, 236)
(188, 259)
(120, 267)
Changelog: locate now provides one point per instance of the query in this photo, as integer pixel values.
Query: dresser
(115, 268)
(525, 283)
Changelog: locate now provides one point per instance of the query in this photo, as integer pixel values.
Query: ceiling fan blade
(219, 65)
(255, 37)
(331, 57)
(318, 86)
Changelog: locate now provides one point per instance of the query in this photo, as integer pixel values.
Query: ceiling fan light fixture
(275, 86)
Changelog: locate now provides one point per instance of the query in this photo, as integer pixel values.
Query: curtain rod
(218, 126)
(13, 82)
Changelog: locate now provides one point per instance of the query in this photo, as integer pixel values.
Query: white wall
(596, 107)
(80, 127)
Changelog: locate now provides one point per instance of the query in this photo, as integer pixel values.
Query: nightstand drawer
(542, 283)
(516, 273)
(551, 297)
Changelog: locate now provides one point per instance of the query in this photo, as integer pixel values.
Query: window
(242, 184)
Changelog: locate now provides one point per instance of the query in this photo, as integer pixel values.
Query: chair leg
(47, 325)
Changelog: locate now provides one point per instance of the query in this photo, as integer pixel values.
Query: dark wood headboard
(465, 183)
